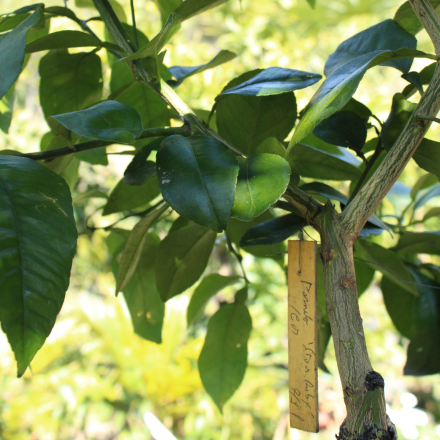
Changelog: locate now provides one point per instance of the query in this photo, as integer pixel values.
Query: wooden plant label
(303, 335)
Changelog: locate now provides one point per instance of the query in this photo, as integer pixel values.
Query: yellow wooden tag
(303, 336)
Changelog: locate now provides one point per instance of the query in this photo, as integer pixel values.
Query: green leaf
(182, 72)
(340, 86)
(37, 246)
(133, 249)
(312, 162)
(223, 359)
(364, 276)
(262, 180)
(140, 169)
(387, 262)
(6, 109)
(92, 194)
(209, 286)
(146, 308)
(190, 8)
(401, 111)
(423, 355)
(312, 3)
(126, 197)
(246, 121)
(63, 40)
(166, 7)
(423, 182)
(400, 305)
(434, 212)
(153, 48)
(419, 243)
(415, 79)
(272, 231)
(387, 35)
(343, 128)
(149, 105)
(406, 17)
(181, 259)
(107, 121)
(273, 81)
(434, 192)
(12, 46)
(197, 177)
(237, 229)
(427, 156)
(97, 156)
(69, 82)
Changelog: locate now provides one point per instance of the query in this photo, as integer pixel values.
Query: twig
(133, 19)
(90, 145)
(238, 257)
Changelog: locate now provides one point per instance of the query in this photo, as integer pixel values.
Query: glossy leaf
(181, 259)
(434, 212)
(153, 48)
(126, 197)
(190, 8)
(237, 229)
(133, 249)
(386, 262)
(423, 356)
(144, 303)
(69, 82)
(209, 286)
(246, 121)
(340, 86)
(272, 231)
(262, 180)
(93, 194)
(37, 246)
(427, 156)
(223, 359)
(12, 46)
(273, 81)
(197, 177)
(434, 192)
(312, 162)
(406, 17)
(140, 169)
(401, 111)
(399, 304)
(387, 35)
(419, 243)
(345, 129)
(182, 72)
(107, 121)
(97, 156)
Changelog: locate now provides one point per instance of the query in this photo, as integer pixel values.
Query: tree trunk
(363, 388)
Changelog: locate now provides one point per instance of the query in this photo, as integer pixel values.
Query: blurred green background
(94, 378)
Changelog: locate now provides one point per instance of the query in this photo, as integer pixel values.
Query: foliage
(217, 177)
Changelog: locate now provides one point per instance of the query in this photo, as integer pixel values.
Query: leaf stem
(133, 19)
(90, 145)
(364, 175)
(238, 257)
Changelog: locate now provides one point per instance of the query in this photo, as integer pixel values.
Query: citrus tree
(221, 173)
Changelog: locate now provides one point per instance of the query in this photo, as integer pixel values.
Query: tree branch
(368, 199)
(90, 145)
(306, 205)
(430, 21)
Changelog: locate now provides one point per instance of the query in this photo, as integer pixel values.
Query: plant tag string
(303, 335)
